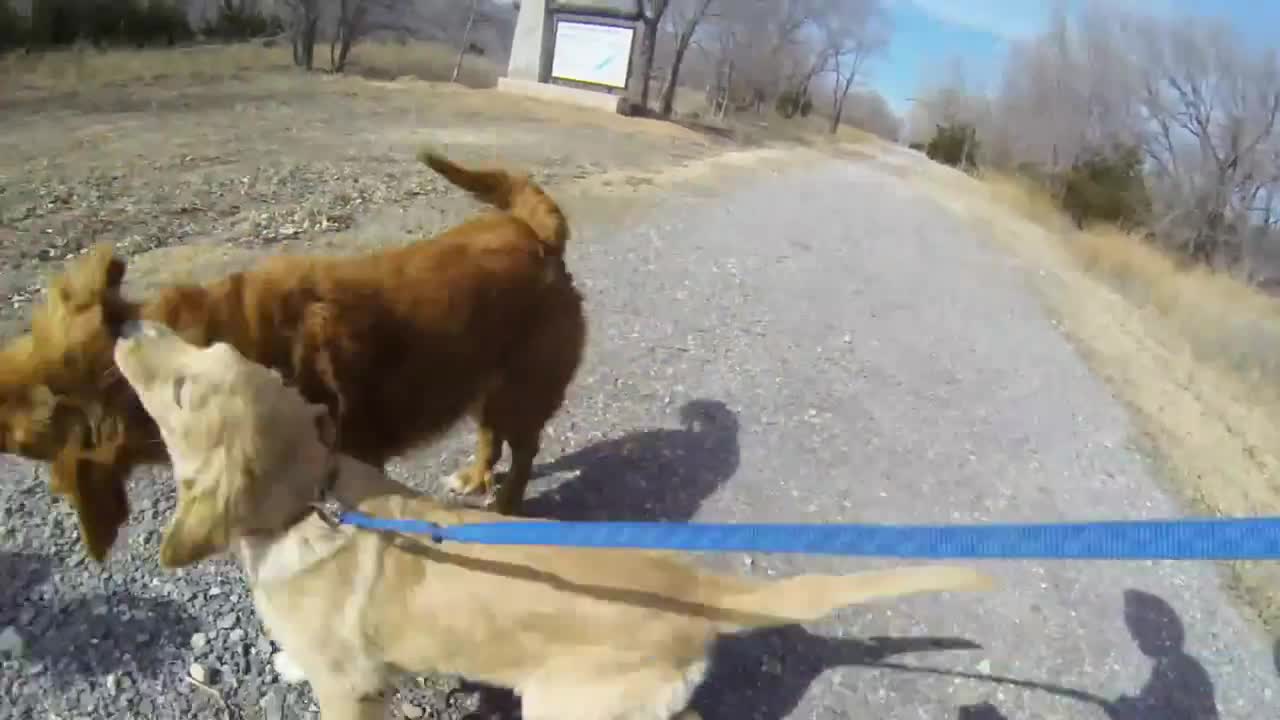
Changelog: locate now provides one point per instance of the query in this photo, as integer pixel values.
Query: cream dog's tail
(743, 603)
(514, 193)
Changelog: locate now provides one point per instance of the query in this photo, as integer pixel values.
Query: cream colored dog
(580, 634)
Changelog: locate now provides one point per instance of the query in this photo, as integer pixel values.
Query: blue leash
(1184, 539)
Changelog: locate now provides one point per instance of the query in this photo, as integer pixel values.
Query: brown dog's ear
(83, 284)
(97, 492)
(200, 528)
(116, 311)
(326, 426)
(43, 406)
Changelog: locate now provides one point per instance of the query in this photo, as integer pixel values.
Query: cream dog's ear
(200, 528)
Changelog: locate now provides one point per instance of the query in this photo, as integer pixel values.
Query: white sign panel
(592, 53)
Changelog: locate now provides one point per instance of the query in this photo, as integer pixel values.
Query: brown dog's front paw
(470, 481)
(506, 502)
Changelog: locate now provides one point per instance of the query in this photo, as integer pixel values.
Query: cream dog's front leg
(338, 701)
(287, 669)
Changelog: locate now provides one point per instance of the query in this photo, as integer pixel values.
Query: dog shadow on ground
(650, 475)
(89, 635)
(764, 674)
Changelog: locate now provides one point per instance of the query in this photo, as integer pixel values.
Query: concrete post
(529, 42)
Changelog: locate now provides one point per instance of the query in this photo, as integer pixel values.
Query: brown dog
(482, 319)
(595, 635)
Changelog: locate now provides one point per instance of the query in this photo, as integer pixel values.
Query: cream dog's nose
(134, 328)
(130, 329)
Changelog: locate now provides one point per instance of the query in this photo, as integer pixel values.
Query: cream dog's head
(248, 452)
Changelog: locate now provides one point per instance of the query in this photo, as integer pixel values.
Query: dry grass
(1226, 323)
(767, 127)
(86, 68)
(1195, 354)
(425, 61)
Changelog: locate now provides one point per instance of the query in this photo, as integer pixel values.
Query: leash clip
(325, 505)
(328, 510)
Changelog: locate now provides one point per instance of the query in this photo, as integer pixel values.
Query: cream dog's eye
(178, 383)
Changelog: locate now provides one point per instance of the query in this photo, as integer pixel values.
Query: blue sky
(932, 36)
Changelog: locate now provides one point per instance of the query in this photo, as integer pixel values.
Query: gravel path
(813, 346)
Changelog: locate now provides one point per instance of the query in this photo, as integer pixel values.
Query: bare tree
(350, 23)
(856, 31)
(1199, 103)
(466, 40)
(651, 12)
(304, 25)
(761, 49)
(797, 59)
(686, 25)
(1213, 111)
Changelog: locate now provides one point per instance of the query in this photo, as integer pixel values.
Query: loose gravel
(816, 346)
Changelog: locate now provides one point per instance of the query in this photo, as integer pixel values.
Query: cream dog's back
(576, 632)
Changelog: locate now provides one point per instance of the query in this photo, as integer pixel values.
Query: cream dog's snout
(140, 328)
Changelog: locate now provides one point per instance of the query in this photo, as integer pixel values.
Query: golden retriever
(482, 319)
(579, 634)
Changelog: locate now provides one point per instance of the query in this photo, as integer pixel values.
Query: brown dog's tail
(746, 603)
(517, 194)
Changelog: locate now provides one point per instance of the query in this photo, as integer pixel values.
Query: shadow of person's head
(1154, 624)
(980, 711)
(657, 474)
(1179, 686)
(711, 417)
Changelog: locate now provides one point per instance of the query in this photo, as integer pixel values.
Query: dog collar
(326, 506)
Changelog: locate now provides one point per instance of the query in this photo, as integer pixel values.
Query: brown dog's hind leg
(478, 476)
(524, 448)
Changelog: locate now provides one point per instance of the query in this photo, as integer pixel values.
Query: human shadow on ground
(980, 711)
(1179, 688)
(92, 634)
(650, 475)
